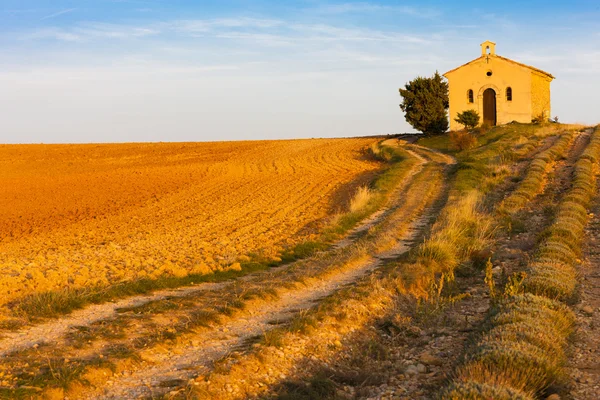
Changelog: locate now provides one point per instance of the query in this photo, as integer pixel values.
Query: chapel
(501, 90)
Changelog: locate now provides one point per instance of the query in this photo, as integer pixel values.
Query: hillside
(276, 274)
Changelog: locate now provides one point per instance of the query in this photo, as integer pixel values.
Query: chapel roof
(549, 75)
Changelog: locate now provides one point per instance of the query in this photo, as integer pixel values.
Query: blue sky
(158, 70)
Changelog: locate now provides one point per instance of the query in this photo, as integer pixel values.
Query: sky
(81, 71)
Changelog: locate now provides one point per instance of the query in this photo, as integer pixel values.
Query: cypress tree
(424, 102)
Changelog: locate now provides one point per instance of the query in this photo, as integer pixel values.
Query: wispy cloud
(234, 27)
(268, 32)
(92, 31)
(59, 13)
(365, 7)
(114, 31)
(133, 1)
(262, 38)
(459, 26)
(54, 33)
(335, 33)
(207, 25)
(22, 11)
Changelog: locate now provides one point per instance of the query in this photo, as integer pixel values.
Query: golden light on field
(80, 215)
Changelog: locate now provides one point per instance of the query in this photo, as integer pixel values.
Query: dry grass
(545, 130)
(361, 198)
(462, 140)
(461, 229)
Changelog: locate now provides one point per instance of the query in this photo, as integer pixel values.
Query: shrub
(482, 130)
(462, 140)
(564, 234)
(528, 332)
(439, 252)
(572, 210)
(470, 390)
(552, 281)
(381, 153)
(530, 301)
(557, 251)
(519, 365)
(540, 119)
(469, 119)
(592, 152)
(532, 309)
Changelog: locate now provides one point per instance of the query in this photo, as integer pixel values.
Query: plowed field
(80, 215)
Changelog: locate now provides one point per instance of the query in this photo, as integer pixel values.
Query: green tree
(468, 118)
(424, 102)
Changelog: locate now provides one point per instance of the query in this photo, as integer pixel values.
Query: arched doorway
(489, 107)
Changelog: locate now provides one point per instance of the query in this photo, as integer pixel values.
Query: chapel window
(508, 94)
(470, 96)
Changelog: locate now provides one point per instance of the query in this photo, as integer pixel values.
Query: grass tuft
(361, 198)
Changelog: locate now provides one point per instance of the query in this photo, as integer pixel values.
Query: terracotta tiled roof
(504, 59)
